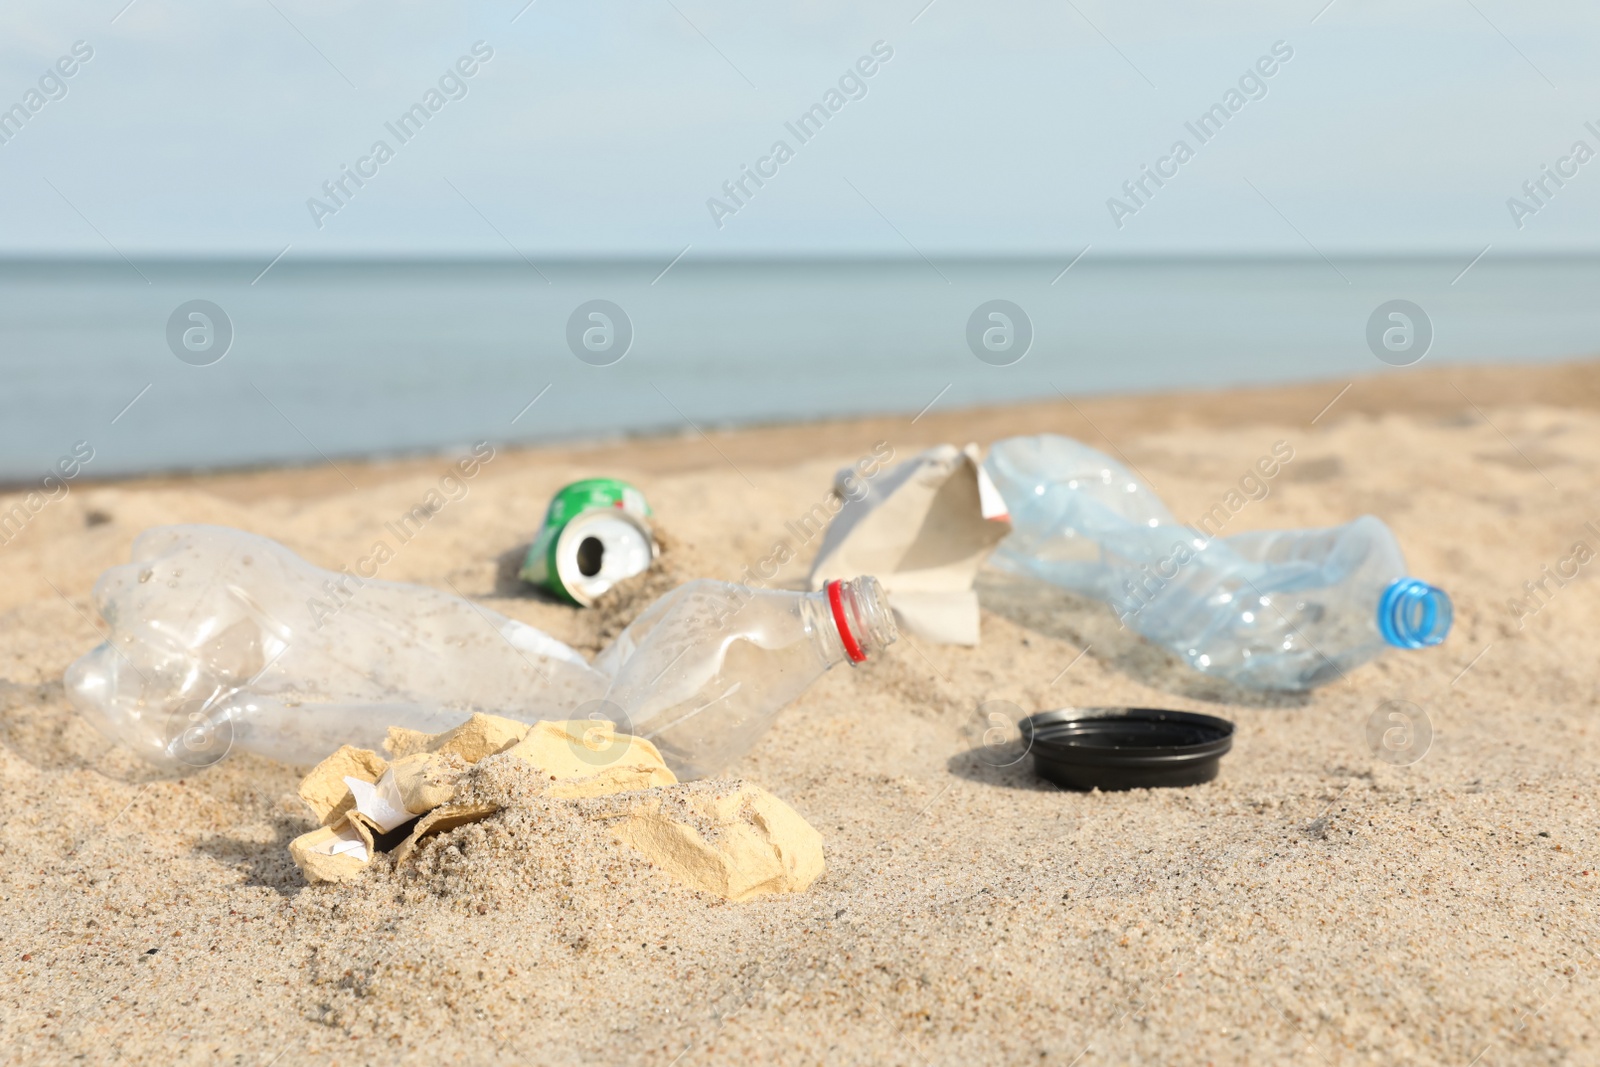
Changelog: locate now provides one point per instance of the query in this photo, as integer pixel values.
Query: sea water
(336, 359)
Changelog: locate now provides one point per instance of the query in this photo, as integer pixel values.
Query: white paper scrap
(347, 842)
(380, 802)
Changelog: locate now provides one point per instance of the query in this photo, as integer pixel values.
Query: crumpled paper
(737, 844)
(923, 528)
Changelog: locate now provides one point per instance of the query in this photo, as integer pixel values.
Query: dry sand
(1312, 905)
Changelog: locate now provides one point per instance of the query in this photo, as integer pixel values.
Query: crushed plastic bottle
(704, 670)
(1289, 609)
(221, 639)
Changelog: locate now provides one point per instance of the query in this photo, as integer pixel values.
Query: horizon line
(421, 257)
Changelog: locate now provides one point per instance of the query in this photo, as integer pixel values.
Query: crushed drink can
(595, 534)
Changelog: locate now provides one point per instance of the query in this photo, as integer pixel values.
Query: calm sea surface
(361, 358)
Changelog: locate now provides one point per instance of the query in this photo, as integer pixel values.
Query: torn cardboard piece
(923, 528)
(438, 821)
(335, 853)
(403, 741)
(747, 843)
(480, 736)
(325, 790)
(356, 792)
(588, 758)
(426, 780)
(736, 843)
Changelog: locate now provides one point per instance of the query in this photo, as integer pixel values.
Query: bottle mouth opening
(1414, 614)
(862, 617)
(852, 647)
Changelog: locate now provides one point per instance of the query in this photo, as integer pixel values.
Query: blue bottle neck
(1414, 614)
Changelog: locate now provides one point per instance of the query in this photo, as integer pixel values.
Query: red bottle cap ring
(836, 602)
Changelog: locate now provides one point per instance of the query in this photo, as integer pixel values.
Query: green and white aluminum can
(596, 533)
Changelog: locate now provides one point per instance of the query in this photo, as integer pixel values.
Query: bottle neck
(853, 620)
(1414, 614)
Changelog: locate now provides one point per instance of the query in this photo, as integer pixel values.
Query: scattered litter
(400, 742)
(923, 529)
(740, 842)
(441, 820)
(326, 789)
(731, 839)
(334, 853)
(218, 643)
(1270, 609)
(588, 758)
(380, 802)
(221, 639)
(1126, 748)
(595, 534)
(423, 781)
(618, 606)
(479, 736)
(705, 670)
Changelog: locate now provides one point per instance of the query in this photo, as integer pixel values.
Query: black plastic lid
(1126, 748)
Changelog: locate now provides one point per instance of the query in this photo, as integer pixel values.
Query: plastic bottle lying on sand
(1288, 609)
(704, 670)
(221, 639)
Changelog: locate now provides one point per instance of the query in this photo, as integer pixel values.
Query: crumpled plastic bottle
(1276, 609)
(222, 639)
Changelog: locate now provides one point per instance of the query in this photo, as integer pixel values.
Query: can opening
(596, 550)
(591, 552)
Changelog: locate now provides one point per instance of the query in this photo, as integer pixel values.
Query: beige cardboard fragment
(403, 741)
(438, 821)
(426, 780)
(480, 736)
(759, 844)
(334, 853)
(324, 790)
(738, 845)
(588, 758)
(617, 779)
(923, 528)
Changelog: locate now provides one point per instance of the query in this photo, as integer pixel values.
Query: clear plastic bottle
(1288, 609)
(704, 670)
(222, 639)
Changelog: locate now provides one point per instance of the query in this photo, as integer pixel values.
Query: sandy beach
(1312, 905)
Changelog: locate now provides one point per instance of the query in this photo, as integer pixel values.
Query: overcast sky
(599, 127)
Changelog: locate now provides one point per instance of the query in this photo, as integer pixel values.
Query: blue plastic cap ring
(1414, 614)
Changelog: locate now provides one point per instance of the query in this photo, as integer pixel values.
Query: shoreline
(1436, 392)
